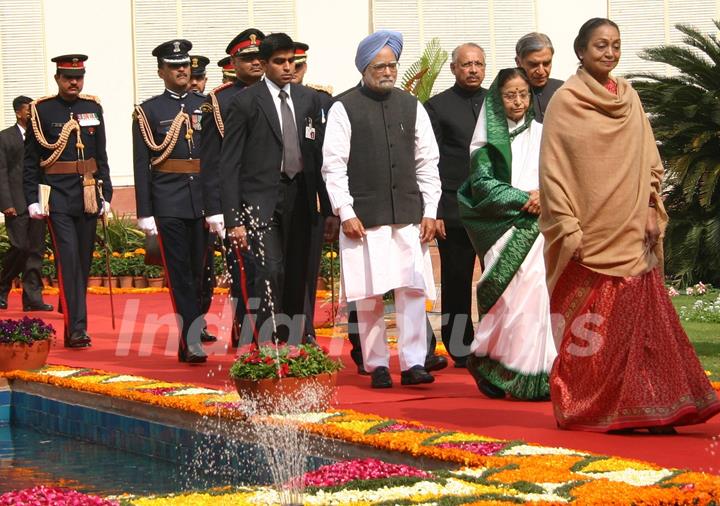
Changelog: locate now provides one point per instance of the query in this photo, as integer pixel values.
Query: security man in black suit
(243, 51)
(65, 149)
(198, 73)
(271, 176)
(453, 114)
(26, 236)
(168, 189)
(534, 54)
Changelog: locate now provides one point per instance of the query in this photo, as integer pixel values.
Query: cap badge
(253, 39)
(176, 46)
(194, 62)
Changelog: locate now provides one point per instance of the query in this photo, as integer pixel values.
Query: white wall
(561, 20)
(102, 29)
(332, 29)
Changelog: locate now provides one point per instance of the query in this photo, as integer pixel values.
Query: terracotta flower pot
(267, 392)
(23, 356)
(95, 281)
(125, 281)
(112, 281)
(155, 282)
(140, 282)
(322, 284)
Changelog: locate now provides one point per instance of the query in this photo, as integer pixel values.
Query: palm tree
(684, 111)
(420, 77)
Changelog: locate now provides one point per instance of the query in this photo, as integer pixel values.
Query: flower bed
(494, 470)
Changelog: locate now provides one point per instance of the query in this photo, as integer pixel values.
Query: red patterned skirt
(624, 360)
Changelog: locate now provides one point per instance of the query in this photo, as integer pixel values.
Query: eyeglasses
(380, 67)
(468, 64)
(523, 95)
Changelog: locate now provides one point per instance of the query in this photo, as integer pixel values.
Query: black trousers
(354, 336)
(315, 247)
(27, 246)
(73, 240)
(278, 253)
(183, 243)
(457, 261)
(241, 273)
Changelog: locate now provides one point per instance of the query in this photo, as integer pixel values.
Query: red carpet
(139, 345)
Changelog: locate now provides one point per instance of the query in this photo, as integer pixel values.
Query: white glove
(105, 209)
(36, 211)
(147, 225)
(216, 222)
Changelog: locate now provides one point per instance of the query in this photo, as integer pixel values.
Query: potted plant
(268, 372)
(329, 267)
(137, 268)
(116, 266)
(48, 269)
(24, 343)
(97, 269)
(155, 276)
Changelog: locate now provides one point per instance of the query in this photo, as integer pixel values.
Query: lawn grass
(704, 336)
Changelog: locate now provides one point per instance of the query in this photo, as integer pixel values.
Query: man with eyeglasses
(168, 190)
(534, 53)
(380, 167)
(453, 114)
(243, 52)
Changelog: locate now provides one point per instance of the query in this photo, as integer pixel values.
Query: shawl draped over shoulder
(599, 170)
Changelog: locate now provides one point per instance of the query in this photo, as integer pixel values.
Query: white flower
(689, 291)
(539, 450)
(672, 292)
(196, 391)
(635, 477)
(125, 378)
(61, 374)
(305, 417)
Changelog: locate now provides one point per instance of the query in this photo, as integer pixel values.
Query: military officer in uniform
(168, 189)
(228, 70)
(198, 73)
(65, 149)
(243, 51)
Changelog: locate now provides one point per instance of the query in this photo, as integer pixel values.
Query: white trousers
(412, 329)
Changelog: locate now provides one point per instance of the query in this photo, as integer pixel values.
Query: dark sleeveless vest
(381, 166)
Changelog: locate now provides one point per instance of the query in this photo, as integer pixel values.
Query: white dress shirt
(275, 94)
(22, 130)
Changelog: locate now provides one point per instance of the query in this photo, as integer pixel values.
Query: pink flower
(365, 469)
(46, 496)
(477, 448)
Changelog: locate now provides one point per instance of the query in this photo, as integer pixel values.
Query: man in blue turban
(371, 45)
(380, 162)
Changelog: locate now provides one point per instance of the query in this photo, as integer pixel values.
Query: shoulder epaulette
(221, 87)
(319, 87)
(42, 99)
(93, 98)
(151, 98)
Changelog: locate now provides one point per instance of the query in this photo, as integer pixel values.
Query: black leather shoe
(381, 378)
(3, 302)
(38, 307)
(416, 375)
(490, 390)
(207, 337)
(460, 363)
(78, 339)
(487, 388)
(309, 339)
(435, 363)
(191, 353)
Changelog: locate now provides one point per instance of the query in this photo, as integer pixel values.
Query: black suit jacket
(542, 96)
(453, 114)
(252, 151)
(11, 170)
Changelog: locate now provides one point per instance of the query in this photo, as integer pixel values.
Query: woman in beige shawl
(624, 361)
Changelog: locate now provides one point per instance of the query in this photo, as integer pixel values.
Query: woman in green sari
(513, 349)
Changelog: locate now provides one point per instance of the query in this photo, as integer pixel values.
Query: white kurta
(517, 330)
(389, 256)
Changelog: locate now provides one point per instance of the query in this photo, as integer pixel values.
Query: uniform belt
(82, 167)
(176, 166)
